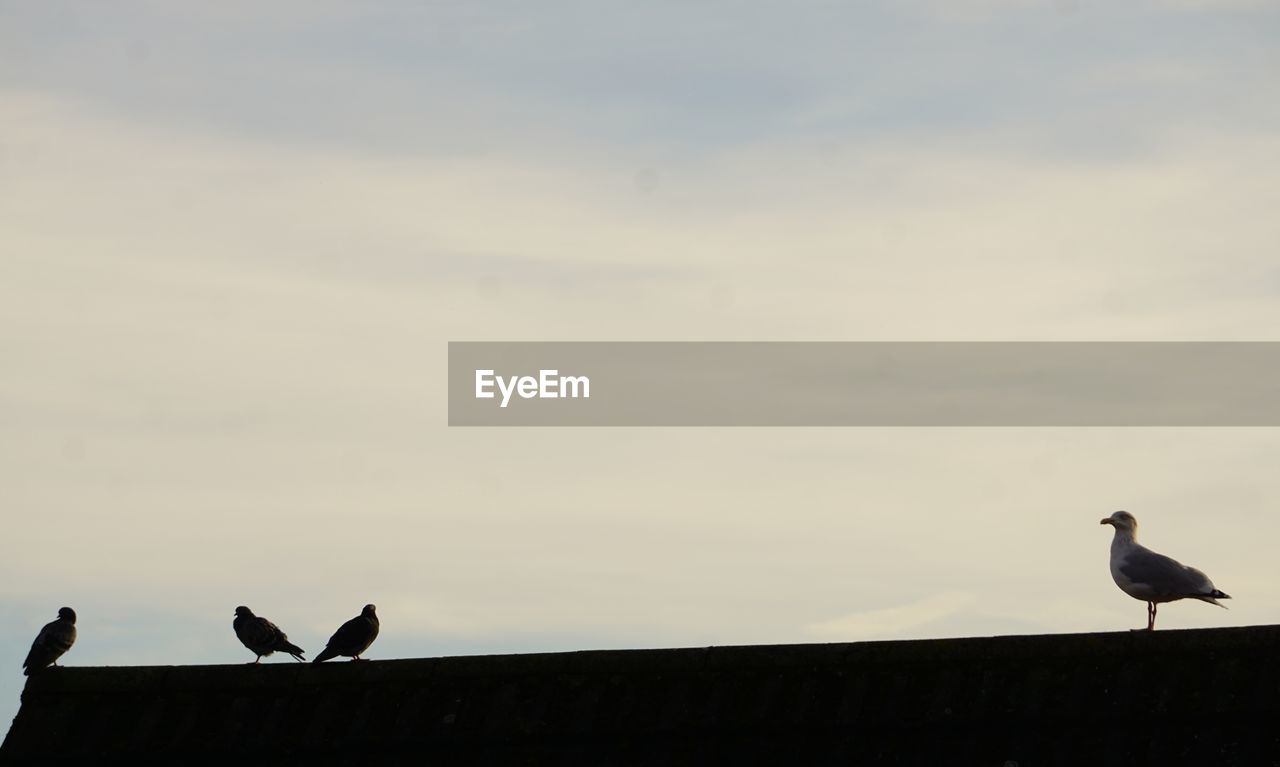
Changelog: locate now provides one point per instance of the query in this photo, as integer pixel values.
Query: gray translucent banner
(864, 384)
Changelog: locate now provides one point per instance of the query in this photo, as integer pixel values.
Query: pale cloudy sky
(235, 239)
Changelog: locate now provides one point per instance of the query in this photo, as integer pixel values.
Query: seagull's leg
(1154, 608)
(1151, 616)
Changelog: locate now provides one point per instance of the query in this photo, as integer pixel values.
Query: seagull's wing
(1164, 576)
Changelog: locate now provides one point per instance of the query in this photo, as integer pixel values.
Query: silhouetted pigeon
(262, 636)
(352, 637)
(1150, 577)
(52, 641)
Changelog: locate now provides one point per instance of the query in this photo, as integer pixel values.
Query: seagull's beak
(1106, 521)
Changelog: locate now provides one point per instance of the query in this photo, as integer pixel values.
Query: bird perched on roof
(352, 637)
(53, 640)
(262, 636)
(1150, 577)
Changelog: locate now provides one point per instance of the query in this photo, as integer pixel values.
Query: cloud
(897, 621)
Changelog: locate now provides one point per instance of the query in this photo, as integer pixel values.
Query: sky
(236, 238)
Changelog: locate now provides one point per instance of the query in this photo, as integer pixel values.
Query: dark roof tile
(1126, 698)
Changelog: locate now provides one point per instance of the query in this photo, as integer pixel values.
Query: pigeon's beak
(1106, 521)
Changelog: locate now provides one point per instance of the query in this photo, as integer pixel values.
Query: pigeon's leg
(1151, 616)
(257, 660)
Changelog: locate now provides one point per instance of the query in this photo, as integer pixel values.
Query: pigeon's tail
(1213, 597)
(325, 655)
(293, 650)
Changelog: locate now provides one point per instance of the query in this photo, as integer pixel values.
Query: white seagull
(1153, 578)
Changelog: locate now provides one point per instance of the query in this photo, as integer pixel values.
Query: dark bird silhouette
(262, 636)
(52, 641)
(352, 637)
